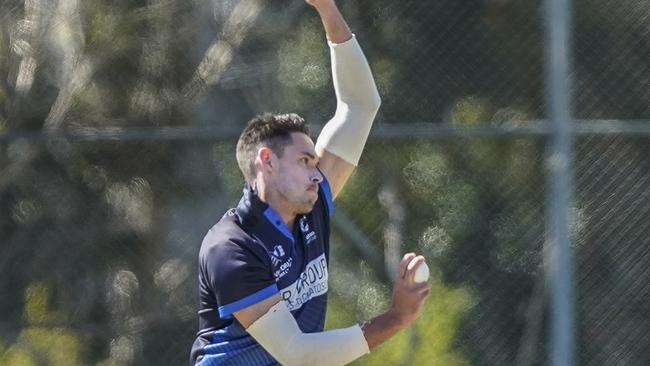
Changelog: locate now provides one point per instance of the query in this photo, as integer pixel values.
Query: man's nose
(317, 177)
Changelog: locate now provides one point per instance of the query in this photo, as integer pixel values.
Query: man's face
(296, 177)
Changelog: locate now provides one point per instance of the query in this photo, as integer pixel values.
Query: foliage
(100, 237)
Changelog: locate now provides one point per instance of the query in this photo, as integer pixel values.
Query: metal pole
(559, 261)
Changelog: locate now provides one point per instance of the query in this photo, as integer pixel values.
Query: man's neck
(289, 217)
(276, 203)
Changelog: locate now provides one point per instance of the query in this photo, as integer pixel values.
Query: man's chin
(306, 208)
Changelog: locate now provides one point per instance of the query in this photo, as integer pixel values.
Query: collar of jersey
(251, 209)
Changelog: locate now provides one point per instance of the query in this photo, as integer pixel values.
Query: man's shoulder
(226, 227)
(226, 237)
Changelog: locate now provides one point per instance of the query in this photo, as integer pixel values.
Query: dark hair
(266, 130)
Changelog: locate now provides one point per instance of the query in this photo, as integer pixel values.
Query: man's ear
(263, 159)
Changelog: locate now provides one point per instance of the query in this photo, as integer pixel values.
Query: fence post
(559, 261)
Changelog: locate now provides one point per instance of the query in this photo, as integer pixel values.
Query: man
(263, 266)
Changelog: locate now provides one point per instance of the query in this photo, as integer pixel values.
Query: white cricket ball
(422, 273)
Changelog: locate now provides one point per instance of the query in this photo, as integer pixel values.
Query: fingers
(403, 264)
(424, 291)
(412, 267)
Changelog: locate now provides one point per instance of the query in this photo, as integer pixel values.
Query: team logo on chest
(277, 254)
(310, 236)
(277, 258)
(304, 224)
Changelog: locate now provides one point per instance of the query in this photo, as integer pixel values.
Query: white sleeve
(279, 334)
(357, 98)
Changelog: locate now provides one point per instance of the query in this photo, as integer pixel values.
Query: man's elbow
(368, 106)
(373, 106)
(375, 101)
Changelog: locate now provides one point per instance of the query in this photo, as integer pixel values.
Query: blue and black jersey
(250, 255)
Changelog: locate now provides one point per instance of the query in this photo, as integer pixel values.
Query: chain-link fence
(117, 129)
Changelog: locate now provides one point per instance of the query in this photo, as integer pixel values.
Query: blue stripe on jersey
(278, 222)
(327, 191)
(233, 346)
(226, 310)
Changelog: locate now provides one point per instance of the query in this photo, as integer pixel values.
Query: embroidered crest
(304, 225)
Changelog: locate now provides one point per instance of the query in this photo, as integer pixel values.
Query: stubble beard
(307, 208)
(301, 205)
(305, 205)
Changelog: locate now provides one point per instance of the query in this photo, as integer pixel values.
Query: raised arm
(343, 138)
(336, 29)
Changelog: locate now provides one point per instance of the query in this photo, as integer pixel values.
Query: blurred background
(118, 121)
